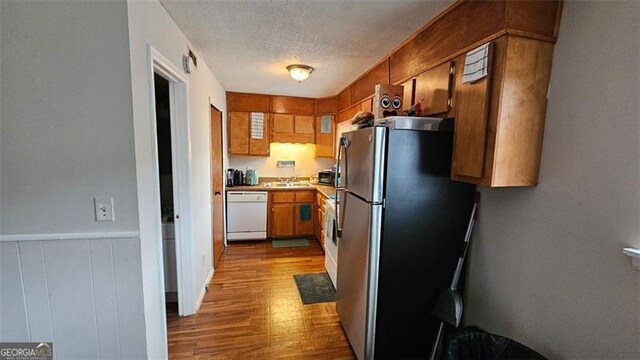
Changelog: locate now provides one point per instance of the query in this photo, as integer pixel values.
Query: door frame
(181, 169)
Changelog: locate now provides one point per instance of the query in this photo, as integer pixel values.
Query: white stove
(330, 240)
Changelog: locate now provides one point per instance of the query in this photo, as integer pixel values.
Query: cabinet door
(470, 134)
(304, 227)
(407, 95)
(282, 220)
(282, 123)
(259, 135)
(432, 89)
(239, 133)
(303, 124)
(325, 140)
(304, 196)
(367, 105)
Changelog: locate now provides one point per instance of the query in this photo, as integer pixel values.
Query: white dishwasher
(246, 215)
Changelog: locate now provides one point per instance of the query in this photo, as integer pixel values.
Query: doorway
(217, 203)
(167, 184)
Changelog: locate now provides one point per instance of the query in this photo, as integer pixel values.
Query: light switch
(104, 208)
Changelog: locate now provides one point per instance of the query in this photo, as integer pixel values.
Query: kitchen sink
(289, 184)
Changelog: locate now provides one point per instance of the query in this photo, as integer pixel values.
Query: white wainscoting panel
(13, 315)
(84, 295)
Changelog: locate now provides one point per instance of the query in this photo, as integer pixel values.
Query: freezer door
(363, 163)
(358, 273)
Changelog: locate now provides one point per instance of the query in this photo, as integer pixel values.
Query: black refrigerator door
(425, 218)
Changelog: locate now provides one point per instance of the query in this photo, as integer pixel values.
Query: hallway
(253, 310)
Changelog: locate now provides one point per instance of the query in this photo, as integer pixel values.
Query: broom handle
(467, 238)
(456, 275)
(434, 350)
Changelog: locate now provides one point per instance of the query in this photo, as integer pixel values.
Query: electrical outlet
(203, 259)
(104, 208)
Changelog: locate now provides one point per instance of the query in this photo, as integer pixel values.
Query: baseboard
(204, 290)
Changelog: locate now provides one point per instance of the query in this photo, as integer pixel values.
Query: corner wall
(546, 266)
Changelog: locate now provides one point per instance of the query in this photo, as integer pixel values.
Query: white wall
(149, 24)
(67, 136)
(304, 155)
(546, 264)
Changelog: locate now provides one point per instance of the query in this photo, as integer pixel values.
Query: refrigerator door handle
(344, 144)
(338, 213)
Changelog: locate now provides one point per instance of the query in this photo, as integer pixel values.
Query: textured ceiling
(248, 44)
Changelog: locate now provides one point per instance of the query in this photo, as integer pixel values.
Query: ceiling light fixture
(299, 72)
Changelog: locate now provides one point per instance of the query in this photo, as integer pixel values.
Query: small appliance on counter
(327, 177)
(251, 177)
(238, 178)
(230, 177)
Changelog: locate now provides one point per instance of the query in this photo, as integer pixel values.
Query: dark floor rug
(299, 242)
(315, 288)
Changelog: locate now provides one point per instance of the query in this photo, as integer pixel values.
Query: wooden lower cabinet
(303, 227)
(282, 219)
(285, 216)
(319, 219)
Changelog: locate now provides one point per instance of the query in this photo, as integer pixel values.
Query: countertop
(324, 189)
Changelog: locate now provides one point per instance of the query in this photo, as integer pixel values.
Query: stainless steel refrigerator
(401, 222)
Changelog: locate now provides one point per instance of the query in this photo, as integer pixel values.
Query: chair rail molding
(72, 236)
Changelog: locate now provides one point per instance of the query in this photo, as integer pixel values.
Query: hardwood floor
(253, 311)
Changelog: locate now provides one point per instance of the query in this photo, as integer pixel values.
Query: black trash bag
(473, 343)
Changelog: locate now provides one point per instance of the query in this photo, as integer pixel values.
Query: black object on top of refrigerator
(401, 222)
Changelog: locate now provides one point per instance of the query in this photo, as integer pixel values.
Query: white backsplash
(304, 155)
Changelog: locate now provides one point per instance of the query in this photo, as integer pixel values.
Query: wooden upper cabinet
(239, 133)
(247, 102)
(467, 23)
(259, 137)
(471, 128)
(464, 24)
(500, 118)
(327, 105)
(243, 138)
(292, 128)
(282, 123)
(432, 89)
(325, 140)
(292, 105)
(303, 124)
